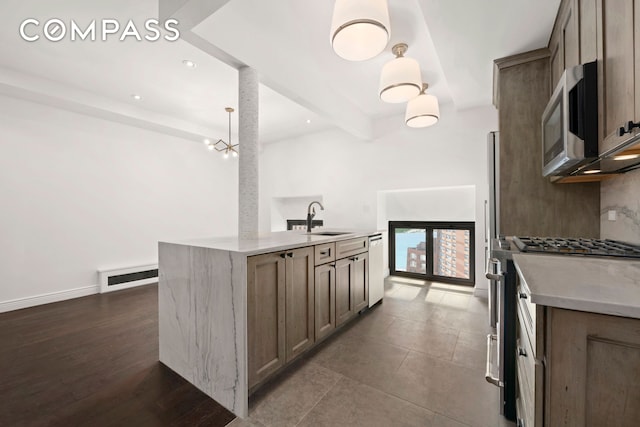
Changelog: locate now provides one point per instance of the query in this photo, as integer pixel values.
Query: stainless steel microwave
(570, 122)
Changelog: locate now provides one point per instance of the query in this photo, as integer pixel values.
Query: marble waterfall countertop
(273, 242)
(594, 284)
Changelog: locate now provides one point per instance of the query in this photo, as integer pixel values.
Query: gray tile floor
(417, 359)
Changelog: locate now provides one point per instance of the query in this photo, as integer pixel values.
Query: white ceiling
(287, 41)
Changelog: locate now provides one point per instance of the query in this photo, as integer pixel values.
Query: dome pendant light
(359, 28)
(400, 79)
(423, 110)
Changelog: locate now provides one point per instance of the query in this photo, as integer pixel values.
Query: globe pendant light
(423, 110)
(400, 79)
(359, 28)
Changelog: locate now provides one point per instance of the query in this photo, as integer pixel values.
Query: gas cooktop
(571, 246)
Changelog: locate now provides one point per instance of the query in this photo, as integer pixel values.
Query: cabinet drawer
(325, 253)
(345, 248)
(527, 313)
(525, 355)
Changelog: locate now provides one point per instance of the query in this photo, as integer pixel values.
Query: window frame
(429, 226)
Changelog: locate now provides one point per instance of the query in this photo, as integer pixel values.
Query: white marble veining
(271, 242)
(622, 194)
(202, 320)
(594, 284)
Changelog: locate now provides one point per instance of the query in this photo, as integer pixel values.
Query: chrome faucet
(311, 212)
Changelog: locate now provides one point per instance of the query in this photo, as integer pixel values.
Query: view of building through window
(451, 253)
(437, 250)
(408, 255)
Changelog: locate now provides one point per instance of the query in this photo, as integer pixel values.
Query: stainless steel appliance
(573, 246)
(570, 122)
(376, 269)
(501, 344)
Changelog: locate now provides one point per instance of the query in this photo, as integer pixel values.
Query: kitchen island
(233, 312)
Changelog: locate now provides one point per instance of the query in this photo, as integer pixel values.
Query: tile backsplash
(622, 194)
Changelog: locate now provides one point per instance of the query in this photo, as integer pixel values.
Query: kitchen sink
(330, 233)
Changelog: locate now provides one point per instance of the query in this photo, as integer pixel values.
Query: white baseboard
(17, 304)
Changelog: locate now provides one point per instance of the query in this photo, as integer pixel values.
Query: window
(437, 246)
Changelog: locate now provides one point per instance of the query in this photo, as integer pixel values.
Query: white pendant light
(400, 79)
(359, 28)
(423, 110)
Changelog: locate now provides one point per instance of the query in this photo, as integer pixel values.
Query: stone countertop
(272, 242)
(594, 284)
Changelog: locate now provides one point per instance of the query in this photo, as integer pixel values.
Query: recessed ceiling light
(189, 64)
(206, 141)
(308, 121)
(591, 171)
(136, 97)
(626, 157)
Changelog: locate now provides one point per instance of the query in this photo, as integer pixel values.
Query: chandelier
(223, 146)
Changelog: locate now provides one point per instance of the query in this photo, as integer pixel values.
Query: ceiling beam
(189, 13)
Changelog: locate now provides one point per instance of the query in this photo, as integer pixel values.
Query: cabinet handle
(523, 295)
(327, 252)
(290, 254)
(333, 265)
(522, 352)
(628, 128)
(283, 255)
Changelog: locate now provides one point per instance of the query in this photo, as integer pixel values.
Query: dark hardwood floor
(93, 361)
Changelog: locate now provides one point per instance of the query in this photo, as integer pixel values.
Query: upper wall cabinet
(607, 31)
(618, 48)
(564, 44)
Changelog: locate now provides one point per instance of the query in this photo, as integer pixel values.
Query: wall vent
(122, 278)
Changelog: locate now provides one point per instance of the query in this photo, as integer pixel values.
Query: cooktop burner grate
(571, 246)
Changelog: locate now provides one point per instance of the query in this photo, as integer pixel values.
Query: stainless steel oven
(501, 343)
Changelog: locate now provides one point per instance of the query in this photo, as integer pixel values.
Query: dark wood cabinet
(360, 282)
(344, 291)
(266, 315)
(618, 39)
(564, 44)
(299, 305)
(325, 300)
(352, 286)
(280, 294)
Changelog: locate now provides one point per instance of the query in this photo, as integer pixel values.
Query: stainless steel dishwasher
(376, 271)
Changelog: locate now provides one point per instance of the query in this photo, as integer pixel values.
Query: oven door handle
(492, 276)
(489, 374)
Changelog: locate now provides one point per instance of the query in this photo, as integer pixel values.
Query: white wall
(349, 173)
(80, 193)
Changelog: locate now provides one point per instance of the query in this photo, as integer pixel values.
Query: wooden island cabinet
(233, 312)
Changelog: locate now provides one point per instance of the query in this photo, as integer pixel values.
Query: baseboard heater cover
(123, 278)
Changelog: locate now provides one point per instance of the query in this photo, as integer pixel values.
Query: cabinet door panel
(588, 34)
(556, 59)
(299, 303)
(266, 315)
(344, 294)
(325, 301)
(571, 35)
(593, 366)
(360, 282)
(616, 71)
